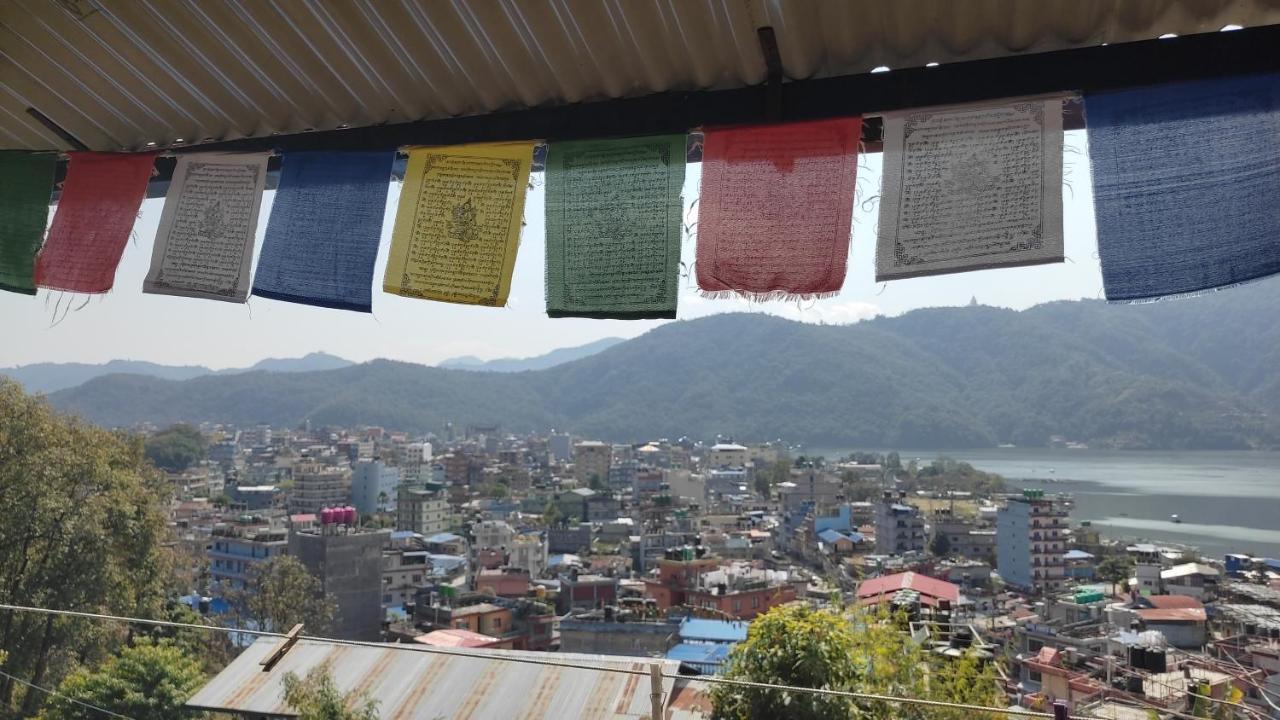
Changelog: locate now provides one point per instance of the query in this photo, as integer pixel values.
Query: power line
(553, 663)
(68, 698)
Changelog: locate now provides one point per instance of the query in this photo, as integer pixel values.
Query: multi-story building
(415, 463)
(423, 511)
(317, 486)
(1030, 543)
(348, 564)
(373, 487)
(591, 459)
(964, 537)
(492, 534)
(899, 526)
(237, 546)
(528, 552)
(728, 455)
(737, 591)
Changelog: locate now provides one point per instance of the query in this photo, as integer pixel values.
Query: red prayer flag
(96, 211)
(775, 209)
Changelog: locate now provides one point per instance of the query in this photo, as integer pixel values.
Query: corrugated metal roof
(119, 74)
(422, 684)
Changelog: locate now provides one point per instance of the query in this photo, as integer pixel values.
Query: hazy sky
(126, 324)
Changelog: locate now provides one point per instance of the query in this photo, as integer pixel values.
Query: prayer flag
(96, 211)
(26, 180)
(322, 237)
(458, 225)
(204, 247)
(775, 208)
(614, 217)
(1186, 185)
(971, 188)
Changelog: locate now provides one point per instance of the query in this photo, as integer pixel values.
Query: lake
(1228, 501)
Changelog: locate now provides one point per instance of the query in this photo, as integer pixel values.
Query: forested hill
(1194, 373)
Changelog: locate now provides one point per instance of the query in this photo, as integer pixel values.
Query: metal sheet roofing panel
(410, 682)
(120, 74)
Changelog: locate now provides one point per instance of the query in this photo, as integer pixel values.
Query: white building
(899, 527)
(373, 487)
(528, 552)
(493, 534)
(1031, 542)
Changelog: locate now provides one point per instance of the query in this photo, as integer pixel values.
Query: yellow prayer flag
(458, 225)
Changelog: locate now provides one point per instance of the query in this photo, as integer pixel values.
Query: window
(497, 623)
(386, 598)
(737, 605)
(1033, 676)
(417, 578)
(755, 601)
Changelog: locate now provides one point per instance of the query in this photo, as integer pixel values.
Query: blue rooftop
(707, 658)
(444, 537)
(717, 631)
(1077, 555)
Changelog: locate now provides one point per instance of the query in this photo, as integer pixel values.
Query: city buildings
(591, 460)
(1031, 543)
(899, 526)
(422, 511)
(317, 486)
(348, 563)
(373, 487)
(238, 545)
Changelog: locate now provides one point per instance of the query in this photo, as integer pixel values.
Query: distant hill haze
(50, 377)
(1186, 374)
(538, 362)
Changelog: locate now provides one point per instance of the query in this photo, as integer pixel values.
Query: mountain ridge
(1192, 374)
(534, 362)
(51, 377)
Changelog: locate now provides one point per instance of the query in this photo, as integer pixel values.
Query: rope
(57, 694)
(554, 663)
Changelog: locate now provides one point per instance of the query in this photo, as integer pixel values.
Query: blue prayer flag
(322, 237)
(1186, 185)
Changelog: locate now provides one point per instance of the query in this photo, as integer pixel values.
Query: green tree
(84, 529)
(551, 515)
(1115, 569)
(316, 697)
(280, 593)
(146, 681)
(940, 545)
(859, 652)
(595, 483)
(176, 448)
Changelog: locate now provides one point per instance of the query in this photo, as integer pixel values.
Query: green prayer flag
(26, 181)
(614, 217)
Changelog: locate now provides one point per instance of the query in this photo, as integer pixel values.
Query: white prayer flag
(971, 188)
(204, 246)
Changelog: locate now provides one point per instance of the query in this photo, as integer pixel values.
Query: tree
(595, 483)
(316, 697)
(551, 515)
(176, 448)
(862, 652)
(146, 681)
(1115, 569)
(84, 529)
(940, 546)
(279, 593)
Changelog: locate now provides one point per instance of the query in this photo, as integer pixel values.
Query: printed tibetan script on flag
(458, 226)
(96, 212)
(614, 217)
(26, 180)
(1186, 185)
(204, 246)
(775, 208)
(326, 221)
(971, 188)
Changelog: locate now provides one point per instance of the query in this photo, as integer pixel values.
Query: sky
(126, 324)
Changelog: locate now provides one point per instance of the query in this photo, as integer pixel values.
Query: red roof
(1169, 602)
(931, 589)
(456, 637)
(1172, 615)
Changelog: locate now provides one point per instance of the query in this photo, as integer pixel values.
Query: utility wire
(57, 694)
(553, 663)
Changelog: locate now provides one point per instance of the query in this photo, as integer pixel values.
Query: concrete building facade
(899, 527)
(1030, 543)
(348, 564)
(591, 459)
